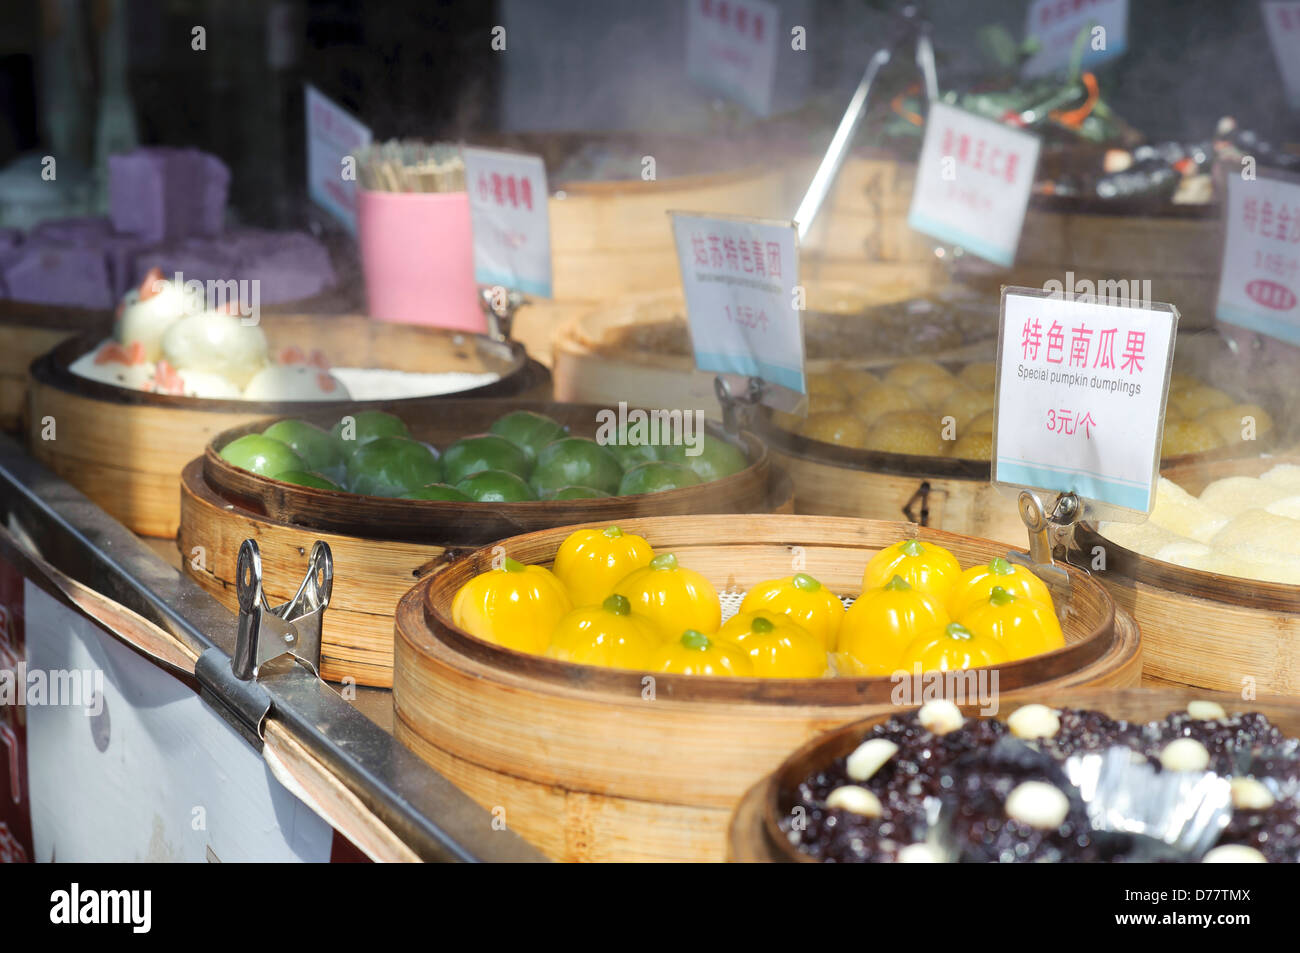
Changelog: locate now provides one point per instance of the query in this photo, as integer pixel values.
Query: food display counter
(573, 469)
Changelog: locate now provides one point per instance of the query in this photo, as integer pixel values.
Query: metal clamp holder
(269, 632)
(500, 310)
(737, 411)
(1047, 530)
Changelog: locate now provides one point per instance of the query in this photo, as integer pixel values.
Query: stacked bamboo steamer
(26, 332)
(755, 835)
(611, 238)
(598, 359)
(603, 764)
(1201, 628)
(381, 546)
(125, 449)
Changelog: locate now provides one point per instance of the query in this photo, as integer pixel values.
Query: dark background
(425, 68)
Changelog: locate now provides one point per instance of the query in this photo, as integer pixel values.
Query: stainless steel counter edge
(435, 819)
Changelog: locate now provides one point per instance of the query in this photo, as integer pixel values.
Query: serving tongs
(911, 29)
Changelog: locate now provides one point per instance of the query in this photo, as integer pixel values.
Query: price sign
(1282, 18)
(511, 220)
(1081, 397)
(1260, 279)
(973, 182)
(740, 276)
(731, 49)
(1056, 25)
(332, 135)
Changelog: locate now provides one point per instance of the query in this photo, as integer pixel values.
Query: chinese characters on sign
(331, 135)
(973, 182)
(1261, 255)
(511, 220)
(731, 48)
(1081, 390)
(739, 277)
(1056, 25)
(1282, 19)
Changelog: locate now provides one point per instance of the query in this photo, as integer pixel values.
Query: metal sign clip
(736, 411)
(269, 632)
(500, 306)
(1047, 530)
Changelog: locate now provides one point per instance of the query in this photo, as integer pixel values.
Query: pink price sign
(1259, 285)
(1081, 395)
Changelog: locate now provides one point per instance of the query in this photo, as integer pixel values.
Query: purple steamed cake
(161, 193)
(118, 250)
(73, 231)
(10, 238)
(68, 276)
(289, 266)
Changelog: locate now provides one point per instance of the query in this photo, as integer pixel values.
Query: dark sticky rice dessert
(978, 788)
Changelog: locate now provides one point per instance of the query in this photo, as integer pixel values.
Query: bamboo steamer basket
(957, 495)
(754, 835)
(125, 449)
(587, 369)
(598, 764)
(612, 236)
(1200, 628)
(382, 546)
(26, 332)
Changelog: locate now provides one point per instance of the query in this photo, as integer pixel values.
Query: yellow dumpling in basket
(908, 374)
(875, 402)
(909, 433)
(980, 376)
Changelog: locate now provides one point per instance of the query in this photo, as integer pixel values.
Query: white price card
(1282, 19)
(731, 48)
(1056, 25)
(973, 182)
(332, 136)
(511, 220)
(1081, 397)
(1259, 283)
(740, 277)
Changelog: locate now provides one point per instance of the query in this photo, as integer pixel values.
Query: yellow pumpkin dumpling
(980, 376)
(940, 391)
(856, 380)
(926, 567)
(896, 433)
(908, 374)
(982, 422)
(824, 385)
(974, 446)
(838, 427)
(875, 402)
